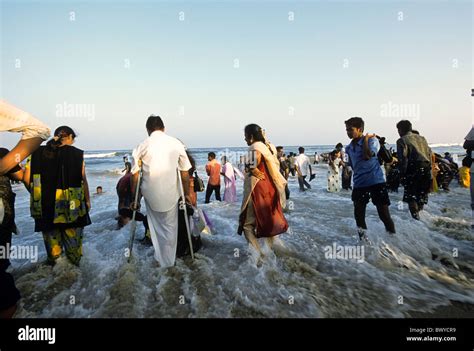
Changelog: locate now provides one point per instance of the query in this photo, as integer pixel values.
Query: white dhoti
(164, 234)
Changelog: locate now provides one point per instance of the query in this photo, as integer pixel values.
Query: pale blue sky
(291, 77)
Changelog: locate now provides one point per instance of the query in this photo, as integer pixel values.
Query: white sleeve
(183, 160)
(12, 119)
(137, 155)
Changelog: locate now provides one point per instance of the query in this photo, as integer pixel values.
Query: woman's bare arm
(86, 186)
(255, 171)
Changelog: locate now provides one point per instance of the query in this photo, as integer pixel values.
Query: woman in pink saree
(230, 194)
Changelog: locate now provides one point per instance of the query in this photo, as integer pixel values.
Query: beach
(425, 270)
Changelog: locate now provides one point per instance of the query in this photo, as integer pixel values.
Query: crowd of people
(164, 175)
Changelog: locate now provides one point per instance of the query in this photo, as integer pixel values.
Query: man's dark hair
(279, 148)
(404, 126)
(211, 154)
(154, 123)
(99, 187)
(301, 150)
(355, 122)
(339, 146)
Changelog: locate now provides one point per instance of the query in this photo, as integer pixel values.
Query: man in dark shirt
(414, 156)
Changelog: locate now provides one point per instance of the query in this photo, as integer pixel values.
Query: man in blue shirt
(369, 181)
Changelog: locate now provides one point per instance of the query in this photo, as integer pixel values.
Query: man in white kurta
(162, 157)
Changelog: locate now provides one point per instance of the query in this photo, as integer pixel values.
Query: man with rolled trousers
(414, 162)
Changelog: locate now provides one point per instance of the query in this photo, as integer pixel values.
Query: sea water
(425, 265)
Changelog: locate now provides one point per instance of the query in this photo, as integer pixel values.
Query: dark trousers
(9, 294)
(302, 181)
(5, 239)
(210, 189)
(382, 210)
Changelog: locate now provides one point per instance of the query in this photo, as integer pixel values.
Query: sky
(208, 68)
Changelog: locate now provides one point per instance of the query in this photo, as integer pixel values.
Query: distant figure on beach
(464, 173)
(162, 156)
(124, 194)
(125, 214)
(241, 165)
(434, 188)
(303, 168)
(34, 132)
(369, 182)
(447, 156)
(469, 147)
(339, 147)
(292, 163)
(99, 190)
(346, 176)
(392, 174)
(230, 194)
(60, 200)
(316, 158)
(447, 172)
(264, 198)
(284, 168)
(334, 164)
(414, 163)
(192, 170)
(124, 187)
(213, 170)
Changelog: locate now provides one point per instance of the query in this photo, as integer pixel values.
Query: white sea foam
(416, 264)
(102, 155)
(445, 145)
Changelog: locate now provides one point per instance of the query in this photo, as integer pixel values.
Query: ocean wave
(104, 155)
(445, 145)
(107, 172)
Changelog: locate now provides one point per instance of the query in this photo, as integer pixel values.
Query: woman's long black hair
(61, 133)
(255, 131)
(53, 144)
